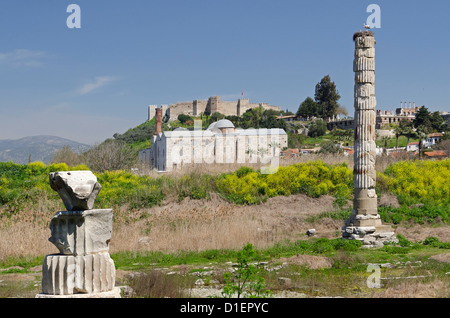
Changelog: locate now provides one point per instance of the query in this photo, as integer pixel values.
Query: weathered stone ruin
(83, 267)
(365, 223)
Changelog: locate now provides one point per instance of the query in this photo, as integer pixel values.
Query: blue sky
(87, 84)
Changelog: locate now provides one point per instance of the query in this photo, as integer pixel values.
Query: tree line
(257, 117)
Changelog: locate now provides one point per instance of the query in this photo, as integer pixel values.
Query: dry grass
(25, 233)
(192, 225)
(155, 284)
(411, 288)
(196, 225)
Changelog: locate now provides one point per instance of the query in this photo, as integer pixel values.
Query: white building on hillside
(221, 142)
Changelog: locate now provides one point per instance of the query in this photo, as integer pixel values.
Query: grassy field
(171, 231)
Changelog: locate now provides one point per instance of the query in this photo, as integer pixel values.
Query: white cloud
(23, 57)
(99, 81)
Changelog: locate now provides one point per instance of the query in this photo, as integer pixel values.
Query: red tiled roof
(436, 153)
(293, 150)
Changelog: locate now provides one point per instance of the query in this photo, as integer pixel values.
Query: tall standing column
(365, 223)
(364, 174)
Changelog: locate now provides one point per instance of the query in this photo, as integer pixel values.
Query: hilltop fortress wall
(212, 105)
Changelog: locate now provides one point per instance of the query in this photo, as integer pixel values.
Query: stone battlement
(212, 105)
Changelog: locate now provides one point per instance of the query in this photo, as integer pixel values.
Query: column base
(370, 236)
(369, 230)
(116, 292)
(69, 274)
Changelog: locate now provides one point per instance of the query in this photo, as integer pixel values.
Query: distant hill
(36, 148)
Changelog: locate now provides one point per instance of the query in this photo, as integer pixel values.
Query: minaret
(365, 223)
(158, 120)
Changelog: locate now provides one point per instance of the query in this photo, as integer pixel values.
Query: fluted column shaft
(364, 174)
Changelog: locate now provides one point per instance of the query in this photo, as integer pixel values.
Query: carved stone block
(82, 232)
(68, 274)
(77, 189)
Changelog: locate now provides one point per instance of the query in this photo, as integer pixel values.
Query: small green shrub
(346, 245)
(245, 281)
(242, 171)
(421, 214)
(395, 249)
(434, 241)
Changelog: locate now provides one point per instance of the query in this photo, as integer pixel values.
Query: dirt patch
(445, 258)
(388, 199)
(421, 232)
(313, 262)
(413, 289)
(299, 204)
(18, 277)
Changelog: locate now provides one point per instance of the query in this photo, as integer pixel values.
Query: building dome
(223, 123)
(212, 126)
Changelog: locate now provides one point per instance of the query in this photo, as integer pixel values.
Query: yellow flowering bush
(313, 178)
(419, 181)
(412, 182)
(121, 187)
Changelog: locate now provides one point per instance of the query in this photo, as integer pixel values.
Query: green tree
(295, 140)
(331, 147)
(236, 120)
(398, 132)
(422, 132)
(436, 121)
(184, 118)
(317, 128)
(261, 118)
(252, 117)
(385, 140)
(217, 116)
(406, 128)
(327, 96)
(286, 113)
(423, 118)
(269, 120)
(343, 135)
(308, 108)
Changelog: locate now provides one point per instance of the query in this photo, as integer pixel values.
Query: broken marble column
(83, 266)
(77, 189)
(365, 223)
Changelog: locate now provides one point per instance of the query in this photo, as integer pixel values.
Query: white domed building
(220, 143)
